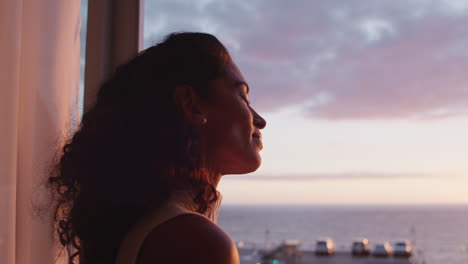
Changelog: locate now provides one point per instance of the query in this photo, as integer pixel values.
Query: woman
(137, 182)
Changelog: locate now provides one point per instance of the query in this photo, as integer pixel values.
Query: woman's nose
(258, 120)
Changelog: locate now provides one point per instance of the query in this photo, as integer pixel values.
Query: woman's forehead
(234, 75)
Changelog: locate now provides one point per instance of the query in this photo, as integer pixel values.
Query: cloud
(332, 176)
(337, 59)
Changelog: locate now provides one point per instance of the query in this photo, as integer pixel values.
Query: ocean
(439, 233)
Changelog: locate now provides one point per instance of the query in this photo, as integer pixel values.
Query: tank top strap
(179, 204)
(133, 241)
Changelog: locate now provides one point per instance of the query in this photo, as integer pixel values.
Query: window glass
(84, 24)
(367, 110)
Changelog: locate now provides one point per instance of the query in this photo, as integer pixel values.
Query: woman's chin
(245, 163)
(249, 167)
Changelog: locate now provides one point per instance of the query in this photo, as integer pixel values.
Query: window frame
(114, 35)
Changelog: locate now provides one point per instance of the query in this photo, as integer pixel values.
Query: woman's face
(231, 136)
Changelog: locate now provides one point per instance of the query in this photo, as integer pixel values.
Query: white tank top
(179, 204)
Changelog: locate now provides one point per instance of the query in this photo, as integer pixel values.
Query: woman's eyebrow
(241, 83)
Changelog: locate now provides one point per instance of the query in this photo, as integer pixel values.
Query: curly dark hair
(114, 168)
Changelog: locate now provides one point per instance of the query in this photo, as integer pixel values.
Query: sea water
(439, 234)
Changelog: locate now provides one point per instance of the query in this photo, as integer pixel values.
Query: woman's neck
(215, 180)
(206, 175)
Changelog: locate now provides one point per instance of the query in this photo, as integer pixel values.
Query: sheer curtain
(39, 87)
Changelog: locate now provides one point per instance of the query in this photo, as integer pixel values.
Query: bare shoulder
(188, 238)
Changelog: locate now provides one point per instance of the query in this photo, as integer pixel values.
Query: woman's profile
(137, 182)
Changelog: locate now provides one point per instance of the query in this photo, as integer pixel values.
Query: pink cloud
(395, 59)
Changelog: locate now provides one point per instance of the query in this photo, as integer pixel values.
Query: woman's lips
(258, 140)
(257, 135)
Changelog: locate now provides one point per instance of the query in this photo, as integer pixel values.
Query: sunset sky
(366, 101)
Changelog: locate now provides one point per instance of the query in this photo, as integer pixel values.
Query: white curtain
(39, 87)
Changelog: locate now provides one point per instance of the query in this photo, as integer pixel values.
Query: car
(382, 250)
(325, 246)
(402, 249)
(360, 247)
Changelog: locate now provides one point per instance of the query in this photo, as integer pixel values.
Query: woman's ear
(189, 104)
